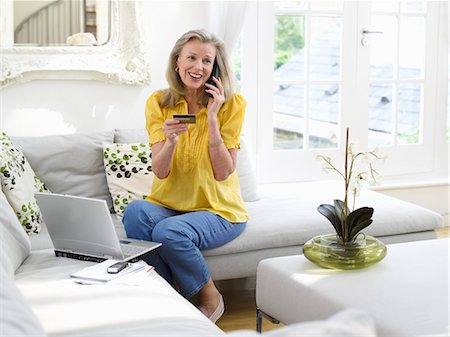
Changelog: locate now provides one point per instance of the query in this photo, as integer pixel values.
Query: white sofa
(38, 297)
(282, 216)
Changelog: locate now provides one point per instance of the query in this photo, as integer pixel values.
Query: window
(307, 74)
(396, 70)
(325, 66)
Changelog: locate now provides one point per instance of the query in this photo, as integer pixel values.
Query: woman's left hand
(217, 98)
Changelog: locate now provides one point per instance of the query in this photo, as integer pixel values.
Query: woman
(195, 202)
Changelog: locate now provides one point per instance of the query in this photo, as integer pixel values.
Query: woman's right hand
(172, 128)
(163, 151)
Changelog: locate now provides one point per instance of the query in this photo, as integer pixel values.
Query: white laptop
(82, 228)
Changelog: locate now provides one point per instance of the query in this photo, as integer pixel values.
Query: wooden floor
(240, 306)
(240, 303)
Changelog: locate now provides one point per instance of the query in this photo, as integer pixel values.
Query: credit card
(185, 118)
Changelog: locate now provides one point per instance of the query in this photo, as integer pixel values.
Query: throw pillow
(15, 244)
(19, 183)
(69, 164)
(246, 175)
(129, 173)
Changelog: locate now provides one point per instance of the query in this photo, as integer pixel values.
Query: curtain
(226, 19)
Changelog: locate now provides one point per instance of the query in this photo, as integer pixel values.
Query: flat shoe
(218, 312)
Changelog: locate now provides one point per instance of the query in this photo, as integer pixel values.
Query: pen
(150, 269)
(88, 283)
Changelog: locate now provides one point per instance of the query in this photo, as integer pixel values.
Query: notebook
(82, 228)
(98, 272)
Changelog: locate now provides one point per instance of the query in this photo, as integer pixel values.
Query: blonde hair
(170, 96)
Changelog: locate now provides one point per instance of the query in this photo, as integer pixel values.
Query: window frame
(301, 165)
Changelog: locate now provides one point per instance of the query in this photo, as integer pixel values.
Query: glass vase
(329, 252)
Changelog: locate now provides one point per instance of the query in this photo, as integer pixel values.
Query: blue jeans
(183, 236)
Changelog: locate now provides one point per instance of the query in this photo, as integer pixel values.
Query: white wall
(6, 23)
(55, 107)
(434, 196)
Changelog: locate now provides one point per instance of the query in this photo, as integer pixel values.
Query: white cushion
(246, 174)
(286, 215)
(244, 169)
(129, 173)
(16, 316)
(69, 164)
(134, 305)
(15, 243)
(19, 183)
(413, 302)
(130, 136)
(41, 241)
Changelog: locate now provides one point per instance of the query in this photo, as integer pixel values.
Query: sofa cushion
(41, 241)
(286, 215)
(129, 173)
(142, 305)
(15, 243)
(246, 176)
(130, 136)
(69, 164)
(16, 316)
(19, 183)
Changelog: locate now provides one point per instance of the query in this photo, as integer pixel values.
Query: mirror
(123, 59)
(61, 22)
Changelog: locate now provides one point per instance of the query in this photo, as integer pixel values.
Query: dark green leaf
(359, 219)
(361, 225)
(342, 216)
(339, 206)
(329, 212)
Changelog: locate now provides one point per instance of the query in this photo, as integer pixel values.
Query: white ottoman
(407, 293)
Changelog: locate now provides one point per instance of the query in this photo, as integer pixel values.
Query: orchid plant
(359, 168)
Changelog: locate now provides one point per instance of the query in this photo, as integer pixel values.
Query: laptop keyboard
(129, 250)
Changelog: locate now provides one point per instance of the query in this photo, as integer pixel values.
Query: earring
(177, 69)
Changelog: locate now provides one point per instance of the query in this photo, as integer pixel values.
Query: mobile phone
(117, 267)
(190, 119)
(215, 72)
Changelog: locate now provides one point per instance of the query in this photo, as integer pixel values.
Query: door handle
(365, 32)
(365, 40)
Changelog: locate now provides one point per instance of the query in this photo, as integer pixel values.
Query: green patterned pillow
(19, 183)
(129, 173)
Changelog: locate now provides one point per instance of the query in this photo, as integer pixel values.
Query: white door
(326, 66)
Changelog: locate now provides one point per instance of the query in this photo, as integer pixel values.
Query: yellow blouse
(190, 185)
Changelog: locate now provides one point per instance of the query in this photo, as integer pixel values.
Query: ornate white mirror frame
(123, 60)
